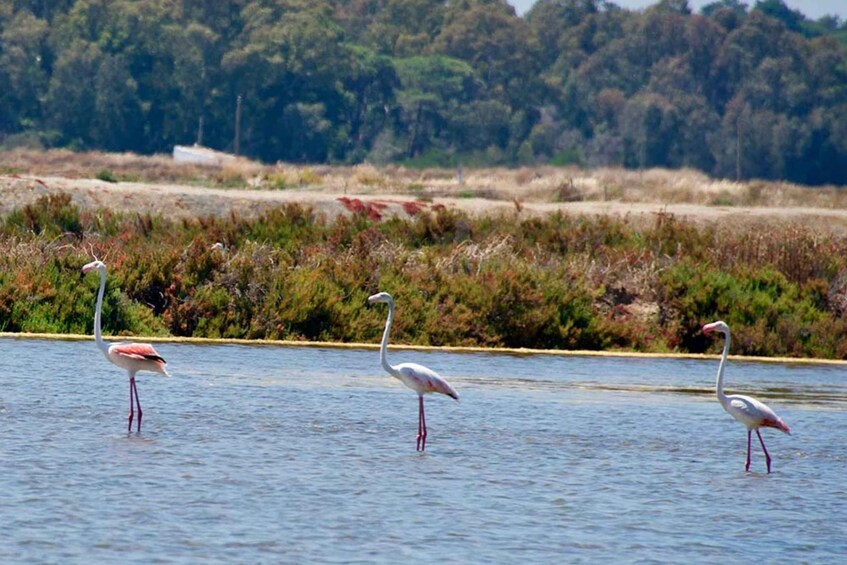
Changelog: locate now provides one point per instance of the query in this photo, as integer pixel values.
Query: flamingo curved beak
(96, 264)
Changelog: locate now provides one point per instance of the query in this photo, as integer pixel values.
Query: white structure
(201, 155)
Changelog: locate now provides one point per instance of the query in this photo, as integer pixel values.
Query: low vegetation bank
(559, 282)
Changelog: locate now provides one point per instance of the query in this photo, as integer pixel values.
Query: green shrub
(559, 282)
(106, 175)
(51, 215)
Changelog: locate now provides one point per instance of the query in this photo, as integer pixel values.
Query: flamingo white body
(420, 379)
(133, 357)
(752, 413)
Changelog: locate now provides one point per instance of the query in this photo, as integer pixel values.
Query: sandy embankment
(190, 201)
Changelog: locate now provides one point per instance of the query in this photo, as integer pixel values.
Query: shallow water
(269, 455)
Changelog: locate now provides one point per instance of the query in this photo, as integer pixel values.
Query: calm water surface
(293, 455)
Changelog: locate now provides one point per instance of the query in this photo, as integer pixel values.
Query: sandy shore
(179, 201)
(452, 349)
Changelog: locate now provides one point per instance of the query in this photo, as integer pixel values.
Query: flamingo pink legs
(421, 425)
(133, 390)
(765, 449)
(749, 437)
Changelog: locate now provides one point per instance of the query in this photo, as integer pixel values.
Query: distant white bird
(422, 380)
(749, 411)
(133, 357)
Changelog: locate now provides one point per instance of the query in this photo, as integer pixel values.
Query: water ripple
(300, 455)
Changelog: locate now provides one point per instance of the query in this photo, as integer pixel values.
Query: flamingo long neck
(384, 347)
(721, 396)
(98, 336)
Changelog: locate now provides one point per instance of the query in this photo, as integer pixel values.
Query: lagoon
(265, 454)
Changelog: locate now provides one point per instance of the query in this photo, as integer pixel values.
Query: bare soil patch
(160, 186)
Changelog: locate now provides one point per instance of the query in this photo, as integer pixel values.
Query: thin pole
(238, 125)
(738, 148)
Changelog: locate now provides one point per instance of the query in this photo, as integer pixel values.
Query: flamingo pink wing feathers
(138, 352)
(441, 386)
(754, 413)
(776, 423)
(425, 380)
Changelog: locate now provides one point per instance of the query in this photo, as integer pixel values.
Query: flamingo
(420, 379)
(748, 411)
(133, 357)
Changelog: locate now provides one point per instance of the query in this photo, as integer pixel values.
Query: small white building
(201, 155)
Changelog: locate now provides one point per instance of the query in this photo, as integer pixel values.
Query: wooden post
(238, 125)
(738, 148)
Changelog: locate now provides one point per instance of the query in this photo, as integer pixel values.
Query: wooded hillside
(733, 91)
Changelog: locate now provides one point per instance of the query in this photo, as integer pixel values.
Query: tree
(742, 51)
(776, 9)
(479, 125)
(194, 83)
(673, 7)
(650, 124)
(118, 124)
(43, 9)
(287, 55)
(553, 21)
(732, 91)
(501, 48)
(404, 28)
(23, 72)
(734, 6)
(309, 133)
(429, 87)
(71, 100)
(369, 82)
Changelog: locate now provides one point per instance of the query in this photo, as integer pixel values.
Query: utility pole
(199, 132)
(738, 148)
(238, 125)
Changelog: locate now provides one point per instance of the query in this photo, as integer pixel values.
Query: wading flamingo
(748, 411)
(133, 357)
(420, 379)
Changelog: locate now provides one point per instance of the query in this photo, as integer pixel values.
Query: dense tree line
(735, 91)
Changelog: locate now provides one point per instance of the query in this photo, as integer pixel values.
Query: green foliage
(566, 157)
(106, 175)
(51, 215)
(771, 316)
(557, 282)
(431, 158)
(754, 93)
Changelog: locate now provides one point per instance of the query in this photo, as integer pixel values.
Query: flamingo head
(380, 297)
(718, 326)
(96, 264)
